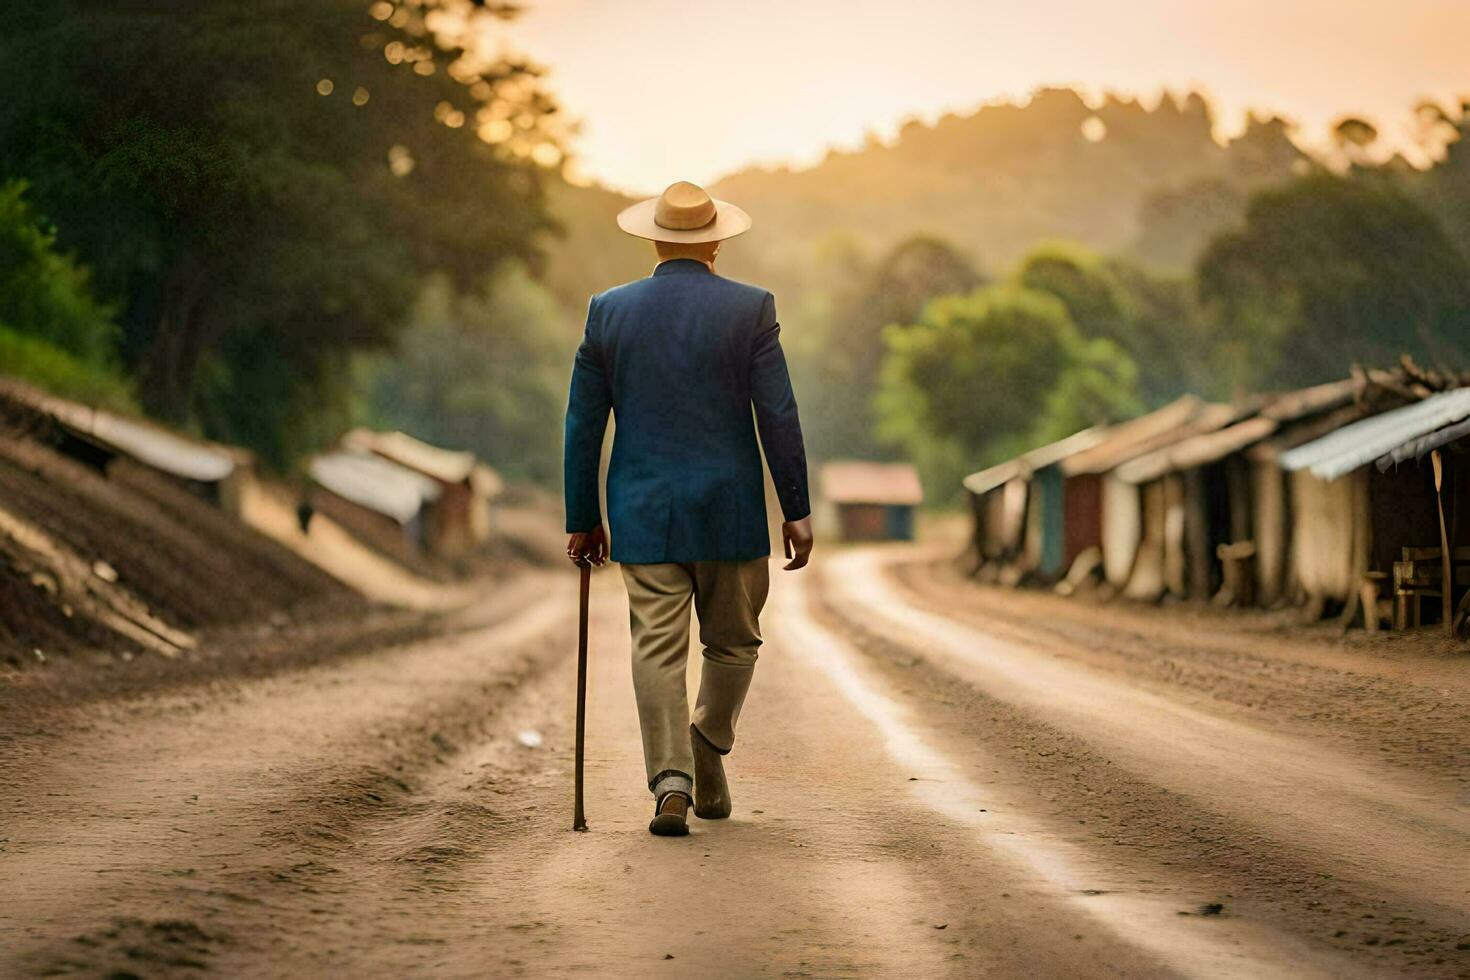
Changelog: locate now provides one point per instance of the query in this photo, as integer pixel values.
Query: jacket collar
(674, 267)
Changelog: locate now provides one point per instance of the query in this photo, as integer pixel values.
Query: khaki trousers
(727, 596)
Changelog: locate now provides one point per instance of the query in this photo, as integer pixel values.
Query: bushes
(49, 367)
(55, 333)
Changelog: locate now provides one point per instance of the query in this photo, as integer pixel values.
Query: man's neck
(710, 265)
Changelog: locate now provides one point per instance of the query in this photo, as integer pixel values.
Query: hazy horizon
(780, 84)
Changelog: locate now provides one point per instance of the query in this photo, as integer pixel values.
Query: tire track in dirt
(1305, 871)
(213, 826)
(1150, 915)
(1415, 713)
(829, 867)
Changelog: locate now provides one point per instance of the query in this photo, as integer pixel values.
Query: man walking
(680, 358)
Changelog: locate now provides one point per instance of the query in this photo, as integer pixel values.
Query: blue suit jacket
(680, 358)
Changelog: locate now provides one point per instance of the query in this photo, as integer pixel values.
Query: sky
(693, 89)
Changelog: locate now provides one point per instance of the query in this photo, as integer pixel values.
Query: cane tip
(580, 827)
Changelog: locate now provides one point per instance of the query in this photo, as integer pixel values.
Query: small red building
(872, 501)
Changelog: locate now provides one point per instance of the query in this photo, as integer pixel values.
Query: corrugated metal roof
(164, 450)
(861, 482)
(1365, 441)
(1303, 431)
(1424, 445)
(1037, 459)
(373, 482)
(444, 465)
(998, 475)
(1200, 450)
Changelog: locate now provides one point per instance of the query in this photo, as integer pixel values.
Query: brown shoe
(711, 792)
(671, 816)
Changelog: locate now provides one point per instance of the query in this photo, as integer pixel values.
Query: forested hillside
(1119, 178)
(1121, 253)
(390, 243)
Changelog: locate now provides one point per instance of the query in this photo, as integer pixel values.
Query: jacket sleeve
(775, 415)
(587, 407)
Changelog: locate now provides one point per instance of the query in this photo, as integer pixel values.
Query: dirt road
(932, 780)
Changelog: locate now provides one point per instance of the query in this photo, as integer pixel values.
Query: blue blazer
(680, 358)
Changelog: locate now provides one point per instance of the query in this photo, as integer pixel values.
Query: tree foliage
(53, 331)
(484, 371)
(840, 373)
(1330, 270)
(1086, 287)
(1152, 318)
(1444, 189)
(45, 293)
(262, 187)
(988, 374)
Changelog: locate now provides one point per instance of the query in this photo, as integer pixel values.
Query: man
(681, 357)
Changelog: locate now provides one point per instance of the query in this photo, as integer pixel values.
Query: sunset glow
(667, 89)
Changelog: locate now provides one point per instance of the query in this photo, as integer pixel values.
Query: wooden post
(1447, 580)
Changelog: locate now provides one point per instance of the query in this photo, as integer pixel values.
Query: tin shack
(871, 501)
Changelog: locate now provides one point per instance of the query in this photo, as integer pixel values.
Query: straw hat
(684, 213)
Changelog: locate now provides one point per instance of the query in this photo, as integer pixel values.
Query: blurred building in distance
(379, 502)
(458, 519)
(1268, 501)
(1388, 533)
(871, 501)
(1020, 509)
(134, 450)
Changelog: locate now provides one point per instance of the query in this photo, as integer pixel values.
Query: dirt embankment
(105, 560)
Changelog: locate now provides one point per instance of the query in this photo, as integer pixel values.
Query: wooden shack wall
(1048, 491)
(1122, 517)
(1146, 576)
(1082, 515)
(451, 520)
(899, 522)
(1401, 506)
(378, 531)
(1270, 529)
(1330, 533)
(866, 522)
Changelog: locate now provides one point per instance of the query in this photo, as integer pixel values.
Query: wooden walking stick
(579, 819)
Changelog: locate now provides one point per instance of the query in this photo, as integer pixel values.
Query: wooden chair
(1419, 575)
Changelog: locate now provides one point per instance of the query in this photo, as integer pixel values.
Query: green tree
(1152, 319)
(1177, 223)
(485, 371)
(1099, 384)
(983, 376)
(1355, 138)
(843, 371)
(1330, 270)
(263, 186)
(1445, 188)
(44, 293)
(1170, 341)
(1085, 285)
(53, 331)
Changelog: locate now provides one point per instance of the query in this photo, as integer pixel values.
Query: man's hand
(588, 547)
(797, 536)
